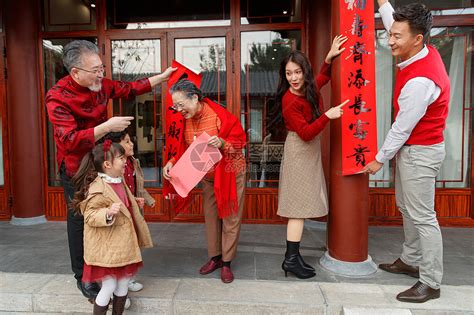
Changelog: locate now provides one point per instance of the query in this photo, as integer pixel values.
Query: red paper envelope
(193, 165)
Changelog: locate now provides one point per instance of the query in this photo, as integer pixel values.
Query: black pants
(75, 227)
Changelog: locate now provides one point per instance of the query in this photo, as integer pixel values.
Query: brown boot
(100, 310)
(118, 304)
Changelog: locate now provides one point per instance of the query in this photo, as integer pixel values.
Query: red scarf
(225, 187)
(175, 145)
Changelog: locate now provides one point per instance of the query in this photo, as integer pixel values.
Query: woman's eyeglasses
(177, 106)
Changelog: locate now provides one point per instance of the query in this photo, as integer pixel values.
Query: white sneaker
(134, 286)
(127, 303)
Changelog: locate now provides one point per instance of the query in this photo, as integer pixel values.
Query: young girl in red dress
(114, 229)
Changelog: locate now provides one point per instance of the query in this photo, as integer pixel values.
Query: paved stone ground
(35, 269)
(180, 249)
(54, 293)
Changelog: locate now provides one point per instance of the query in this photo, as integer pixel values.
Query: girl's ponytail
(83, 178)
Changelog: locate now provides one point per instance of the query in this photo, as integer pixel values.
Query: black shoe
(292, 264)
(304, 264)
(88, 289)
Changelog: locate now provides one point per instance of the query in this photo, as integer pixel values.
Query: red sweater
(225, 185)
(297, 112)
(129, 175)
(429, 129)
(74, 111)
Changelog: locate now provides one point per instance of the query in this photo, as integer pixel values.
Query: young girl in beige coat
(114, 229)
(135, 180)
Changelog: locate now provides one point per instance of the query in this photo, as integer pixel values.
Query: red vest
(429, 129)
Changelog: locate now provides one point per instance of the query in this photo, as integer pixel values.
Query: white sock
(122, 287)
(109, 285)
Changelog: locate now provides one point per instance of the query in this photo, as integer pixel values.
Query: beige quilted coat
(114, 243)
(140, 182)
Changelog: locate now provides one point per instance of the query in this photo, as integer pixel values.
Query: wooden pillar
(347, 228)
(347, 236)
(24, 108)
(318, 43)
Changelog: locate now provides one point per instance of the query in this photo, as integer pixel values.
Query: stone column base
(348, 269)
(28, 221)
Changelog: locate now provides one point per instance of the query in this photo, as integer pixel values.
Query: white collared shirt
(109, 179)
(415, 97)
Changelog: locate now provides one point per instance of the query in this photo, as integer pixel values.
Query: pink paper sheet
(193, 165)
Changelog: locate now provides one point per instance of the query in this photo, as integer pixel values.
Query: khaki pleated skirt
(302, 192)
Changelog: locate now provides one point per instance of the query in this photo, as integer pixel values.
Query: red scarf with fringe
(225, 187)
(174, 138)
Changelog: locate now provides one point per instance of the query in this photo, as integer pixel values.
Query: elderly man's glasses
(97, 71)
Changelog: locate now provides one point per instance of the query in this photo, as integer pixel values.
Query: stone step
(374, 311)
(56, 294)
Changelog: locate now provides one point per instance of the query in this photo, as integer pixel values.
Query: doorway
(131, 57)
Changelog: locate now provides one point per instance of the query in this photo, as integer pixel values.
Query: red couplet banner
(174, 121)
(359, 122)
(174, 131)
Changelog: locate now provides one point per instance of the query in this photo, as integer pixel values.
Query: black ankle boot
(294, 248)
(305, 265)
(294, 262)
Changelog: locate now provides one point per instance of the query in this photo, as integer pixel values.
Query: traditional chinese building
(237, 45)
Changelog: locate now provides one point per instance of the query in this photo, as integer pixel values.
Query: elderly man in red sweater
(77, 109)
(421, 99)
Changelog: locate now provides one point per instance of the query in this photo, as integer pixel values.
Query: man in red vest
(421, 99)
